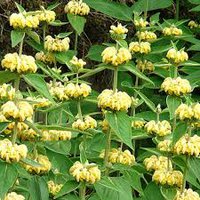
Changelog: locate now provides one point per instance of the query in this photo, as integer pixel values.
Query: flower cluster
(7, 91)
(119, 156)
(168, 177)
(118, 32)
(55, 44)
(138, 124)
(189, 145)
(45, 57)
(145, 65)
(165, 145)
(104, 125)
(160, 128)
(55, 135)
(140, 47)
(28, 134)
(176, 56)
(45, 165)
(20, 126)
(85, 172)
(57, 89)
(77, 63)
(21, 64)
(77, 90)
(172, 31)
(114, 56)
(12, 152)
(192, 24)
(140, 23)
(176, 86)
(187, 194)
(20, 111)
(185, 112)
(14, 196)
(53, 187)
(77, 7)
(146, 35)
(39, 102)
(86, 123)
(46, 15)
(157, 163)
(18, 20)
(119, 101)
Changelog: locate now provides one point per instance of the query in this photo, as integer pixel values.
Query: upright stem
(14, 136)
(82, 191)
(173, 71)
(76, 41)
(107, 150)
(177, 9)
(115, 80)
(44, 28)
(79, 109)
(158, 116)
(21, 46)
(184, 175)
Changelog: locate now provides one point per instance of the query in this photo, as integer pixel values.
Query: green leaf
(148, 102)
(148, 5)
(168, 193)
(95, 52)
(3, 126)
(8, 176)
(194, 164)
(63, 35)
(113, 9)
(194, 1)
(152, 192)
(16, 37)
(108, 183)
(179, 131)
(61, 147)
(131, 68)
(38, 82)
(31, 162)
(53, 6)
(7, 76)
(64, 57)
(196, 9)
(77, 22)
(19, 7)
(34, 36)
(58, 23)
(93, 71)
(68, 187)
(172, 103)
(120, 123)
(38, 188)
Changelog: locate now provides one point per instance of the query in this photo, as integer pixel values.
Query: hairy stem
(21, 46)
(107, 150)
(177, 9)
(82, 191)
(44, 28)
(80, 116)
(184, 175)
(76, 41)
(14, 135)
(115, 80)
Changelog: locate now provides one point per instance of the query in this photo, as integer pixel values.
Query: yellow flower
(138, 124)
(168, 177)
(57, 89)
(176, 86)
(46, 58)
(114, 56)
(105, 125)
(77, 90)
(119, 156)
(177, 57)
(119, 101)
(187, 194)
(12, 152)
(55, 135)
(55, 44)
(45, 165)
(54, 188)
(145, 65)
(27, 135)
(14, 196)
(188, 145)
(118, 32)
(184, 112)
(140, 23)
(157, 163)
(85, 172)
(196, 110)
(77, 63)
(172, 31)
(140, 47)
(17, 20)
(32, 21)
(46, 16)
(21, 64)
(7, 91)
(39, 102)
(146, 35)
(165, 145)
(77, 7)
(86, 123)
(192, 24)
(160, 128)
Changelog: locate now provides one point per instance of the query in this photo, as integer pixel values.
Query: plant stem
(14, 136)
(174, 123)
(80, 116)
(21, 46)
(177, 9)
(158, 116)
(44, 28)
(115, 79)
(184, 175)
(107, 150)
(76, 41)
(82, 191)
(173, 71)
